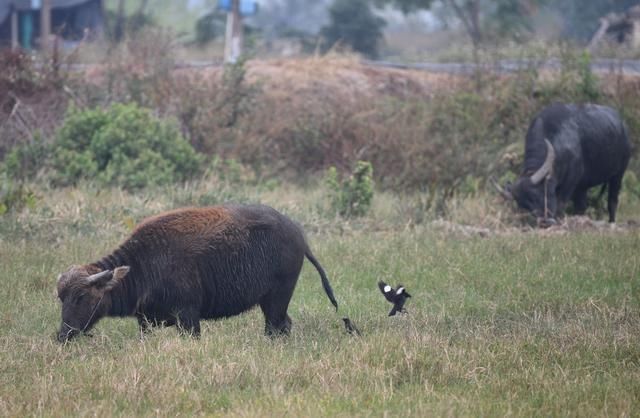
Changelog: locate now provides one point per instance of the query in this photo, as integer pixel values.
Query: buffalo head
(536, 192)
(83, 298)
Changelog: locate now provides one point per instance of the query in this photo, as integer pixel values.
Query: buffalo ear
(118, 274)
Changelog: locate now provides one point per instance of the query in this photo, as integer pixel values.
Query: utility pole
(45, 26)
(14, 27)
(234, 36)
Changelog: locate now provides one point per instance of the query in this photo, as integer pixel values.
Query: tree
(119, 24)
(505, 17)
(407, 6)
(282, 17)
(353, 23)
(210, 26)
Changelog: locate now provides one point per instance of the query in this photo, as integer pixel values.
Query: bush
(15, 196)
(32, 98)
(124, 145)
(631, 186)
(212, 111)
(576, 81)
(353, 196)
(25, 161)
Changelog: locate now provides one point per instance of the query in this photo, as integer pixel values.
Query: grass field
(518, 322)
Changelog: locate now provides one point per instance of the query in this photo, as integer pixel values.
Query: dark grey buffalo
(190, 264)
(568, 150)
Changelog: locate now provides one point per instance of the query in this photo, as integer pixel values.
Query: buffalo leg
(188, 322)
(145, 325)
(580, 201)
(274, 306)
(612, 202)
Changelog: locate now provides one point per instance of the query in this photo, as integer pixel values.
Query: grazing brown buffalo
(190, 264)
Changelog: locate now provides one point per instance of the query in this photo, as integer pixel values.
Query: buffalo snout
(66, 333)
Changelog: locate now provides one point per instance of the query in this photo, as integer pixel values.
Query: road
(600, 66)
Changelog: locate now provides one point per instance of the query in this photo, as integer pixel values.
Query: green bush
(631, 185)
(576, 81)
(26, 160)
(124, 145)
(353, 196)
(15, 196)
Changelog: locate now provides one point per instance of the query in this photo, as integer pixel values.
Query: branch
(461, 15)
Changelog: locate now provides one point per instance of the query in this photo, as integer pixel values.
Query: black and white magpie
(397, 297)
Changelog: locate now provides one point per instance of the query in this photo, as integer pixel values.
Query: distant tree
(407, 6)
(210, 26)
(283, 17)
(353, 23)
(499, 17)
(119, 24)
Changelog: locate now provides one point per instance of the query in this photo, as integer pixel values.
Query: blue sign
(247, 7)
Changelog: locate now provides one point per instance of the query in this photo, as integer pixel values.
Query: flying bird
(397, 297)
(351, 329)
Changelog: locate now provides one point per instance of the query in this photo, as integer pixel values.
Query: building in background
(70, 20)
(619, 28)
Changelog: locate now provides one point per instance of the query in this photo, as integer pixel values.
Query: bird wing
(402, 291)
(388, 291)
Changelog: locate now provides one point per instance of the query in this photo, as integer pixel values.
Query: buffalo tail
(325, 281)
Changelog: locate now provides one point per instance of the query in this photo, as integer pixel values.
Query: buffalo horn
(546, 166)
(98, 277)
(504, 193)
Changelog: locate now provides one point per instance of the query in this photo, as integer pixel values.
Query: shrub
(576, 81)
(631, 185)
(353, 196)
(32, 98)
(137, 70)
(15, 196)
(211, 110)
(26, 160)
(123, 145)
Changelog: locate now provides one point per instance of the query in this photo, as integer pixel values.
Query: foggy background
(440, 30)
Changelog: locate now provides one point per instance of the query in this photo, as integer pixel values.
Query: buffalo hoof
(546, 222)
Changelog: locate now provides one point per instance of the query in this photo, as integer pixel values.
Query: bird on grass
(397, 297)
(351, 329)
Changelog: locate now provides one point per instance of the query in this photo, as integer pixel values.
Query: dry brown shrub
(32, 98)
(420, 130)
(317, 112)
